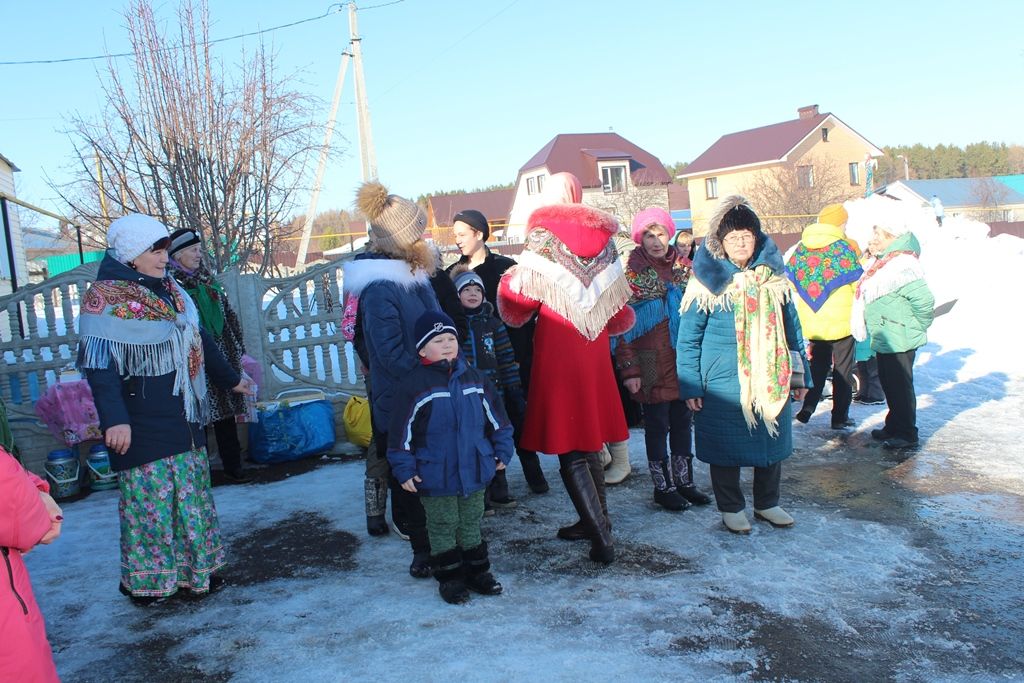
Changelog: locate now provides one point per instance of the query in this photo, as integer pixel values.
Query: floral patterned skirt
(170, 536)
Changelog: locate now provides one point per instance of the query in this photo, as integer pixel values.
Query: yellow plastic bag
(356, 417)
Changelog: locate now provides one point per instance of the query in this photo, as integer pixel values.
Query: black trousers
(828, 355)
(406, 508)
(226, 433)
(729, 497)
(671, 420)
(896, 373)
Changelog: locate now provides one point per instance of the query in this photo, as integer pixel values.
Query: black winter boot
(375, 493)
(682, 475)
(420, 566)
(448, 572)
(532, 471)
(583, 491)
(497, 492)
(477, 565)
(665, 493)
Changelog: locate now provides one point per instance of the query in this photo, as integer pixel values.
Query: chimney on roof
(808, 112)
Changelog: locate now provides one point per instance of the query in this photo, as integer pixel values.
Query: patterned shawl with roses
(126, 323)
(816, 273)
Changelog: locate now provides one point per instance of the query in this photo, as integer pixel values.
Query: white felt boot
(736, 522)
(620, 467)
(775, 516)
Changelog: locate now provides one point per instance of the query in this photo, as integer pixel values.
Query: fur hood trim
(716, 273)
(711, 241)
(358, 275)
(583, 229)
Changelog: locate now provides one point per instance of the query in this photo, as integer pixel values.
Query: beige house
(810, 149)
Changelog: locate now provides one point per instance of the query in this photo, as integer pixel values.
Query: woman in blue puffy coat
(733, 358)
(392, 284)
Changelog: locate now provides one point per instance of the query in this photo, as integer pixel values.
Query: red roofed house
(811, 141)
(617, 176)
(494, 204)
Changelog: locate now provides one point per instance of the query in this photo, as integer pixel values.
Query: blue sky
(462, 93)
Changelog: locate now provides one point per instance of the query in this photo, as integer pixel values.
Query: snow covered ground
(898, 568)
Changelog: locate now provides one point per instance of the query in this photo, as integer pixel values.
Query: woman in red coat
(28, 517)
(570, 276)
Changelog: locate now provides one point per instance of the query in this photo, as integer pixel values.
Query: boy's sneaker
(843, 424)
(803, 416)
(866, 401)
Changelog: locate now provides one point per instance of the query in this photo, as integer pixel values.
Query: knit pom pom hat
(654, 215)
(396, 222)
(133, 234)
(467, 278)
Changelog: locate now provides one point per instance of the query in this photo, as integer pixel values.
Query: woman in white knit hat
(143, 353)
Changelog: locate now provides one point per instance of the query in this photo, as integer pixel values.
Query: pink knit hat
(651, 216)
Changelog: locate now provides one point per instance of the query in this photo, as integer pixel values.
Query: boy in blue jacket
(449, 434)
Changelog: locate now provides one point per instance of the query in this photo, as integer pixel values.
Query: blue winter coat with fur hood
(707, 368)
(391, 299)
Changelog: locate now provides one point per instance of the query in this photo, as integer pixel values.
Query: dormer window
(824, 134)
(613, 179)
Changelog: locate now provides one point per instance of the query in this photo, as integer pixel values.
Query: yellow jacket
(832, 321)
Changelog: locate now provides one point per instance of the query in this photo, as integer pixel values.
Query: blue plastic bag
(291, 432)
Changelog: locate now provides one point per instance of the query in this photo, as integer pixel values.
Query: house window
(711, 187)
(614, 179)
(805, 176)
(824, 134)
(855, 173)
(531, 186)
(540, 183)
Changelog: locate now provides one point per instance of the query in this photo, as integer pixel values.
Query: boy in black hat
(448, 436)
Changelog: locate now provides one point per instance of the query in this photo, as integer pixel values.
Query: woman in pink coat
(28, 517)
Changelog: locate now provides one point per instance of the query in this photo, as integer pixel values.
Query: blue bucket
(62, 470)
(101, 477)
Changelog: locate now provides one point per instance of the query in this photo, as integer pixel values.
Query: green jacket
(898, 304)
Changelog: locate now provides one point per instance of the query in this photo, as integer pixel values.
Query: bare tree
(190, 143)
(989, 194)
(626, 205)
(788, 197)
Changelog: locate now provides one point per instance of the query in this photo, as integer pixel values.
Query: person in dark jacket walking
(472, 231)
(392, 285)
(448, 436)
(146, 357)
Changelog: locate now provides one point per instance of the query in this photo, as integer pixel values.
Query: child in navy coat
(449, 434)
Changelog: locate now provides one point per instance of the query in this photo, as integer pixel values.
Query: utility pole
(367, 154)
(366, 151)
(307, 226)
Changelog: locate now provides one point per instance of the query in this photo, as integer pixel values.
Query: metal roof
(964, 191)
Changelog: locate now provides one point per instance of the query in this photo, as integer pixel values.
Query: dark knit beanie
(474, 219)
(182, 239)
(740, 217)
(431, 324)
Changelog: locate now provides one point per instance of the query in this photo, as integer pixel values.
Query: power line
(333, 9)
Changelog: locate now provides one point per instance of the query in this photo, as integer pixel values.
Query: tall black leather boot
(578, 531)
(582, 490)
